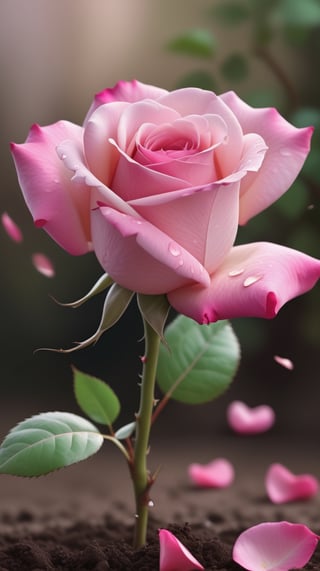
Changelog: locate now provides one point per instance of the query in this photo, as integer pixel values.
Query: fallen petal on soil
(217, 474)
(174, 555)
(275, 546)
(246, 420)
(284, 486)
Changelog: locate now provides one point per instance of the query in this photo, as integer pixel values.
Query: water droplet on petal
(251, 280)
(150, 504)
(234, 273)
(285, 152)
(63, 156)
(174, 249)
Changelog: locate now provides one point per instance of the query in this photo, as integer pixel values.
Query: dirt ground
(82, 517)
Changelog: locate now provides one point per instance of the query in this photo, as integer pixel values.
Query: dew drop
(234, 273)
(63, 156)
(285, 152)
(150, 504)
(251, 280)
(173, 249)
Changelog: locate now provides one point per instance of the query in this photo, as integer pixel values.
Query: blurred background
(54, 56)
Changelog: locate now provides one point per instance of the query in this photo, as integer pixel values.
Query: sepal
(116, 303)
(103, 283)
(155, 310)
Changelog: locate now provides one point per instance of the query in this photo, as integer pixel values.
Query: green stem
(142, 480)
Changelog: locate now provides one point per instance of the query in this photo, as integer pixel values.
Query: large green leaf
(95, 398)
(201, 361)
(47, 442)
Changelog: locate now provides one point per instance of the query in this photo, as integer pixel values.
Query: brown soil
(82, 517)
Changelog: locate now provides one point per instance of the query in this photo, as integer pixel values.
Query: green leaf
(230, 13)
(297, 13)
(125, 431)
(96, 398)
(195, 42)
(235, 67)
(47, 442)
(155, 310)
(198, 78)
(201, 362)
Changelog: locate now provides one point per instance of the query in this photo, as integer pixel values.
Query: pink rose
(157, 183)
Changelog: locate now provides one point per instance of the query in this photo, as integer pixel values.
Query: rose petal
(284, 486)
(288, 149)
(284, 362)
(55, 202)
(126, 91)
(11, 228)
(43, 265)
(246, 420)
(174, 555)
(140, 257)
(217, 474)
(255, 280)
(275, 546)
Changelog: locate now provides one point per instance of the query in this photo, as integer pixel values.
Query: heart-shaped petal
(246, 420)
(217, 474)
(284, 486)
(275, 546)
(174, 555)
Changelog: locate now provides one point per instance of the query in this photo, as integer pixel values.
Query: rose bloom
(157, 182)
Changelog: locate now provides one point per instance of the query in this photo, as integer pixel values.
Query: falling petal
(43, 265)
(217, 474)
(284, 362)
(275, 546)
(284, 486)
(11, 228)
(174, 555)
(246, 420)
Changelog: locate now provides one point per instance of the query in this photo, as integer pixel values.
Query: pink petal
(126, 91)
(54, 200)
(255, 280)
(246, 420)
(174, 555)
(275, 546)
(11, 228)
(140, 257)
(287, 150)
(194, 101)
(284, 362)
(283, 486)
(217, 474)
(43, 265)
